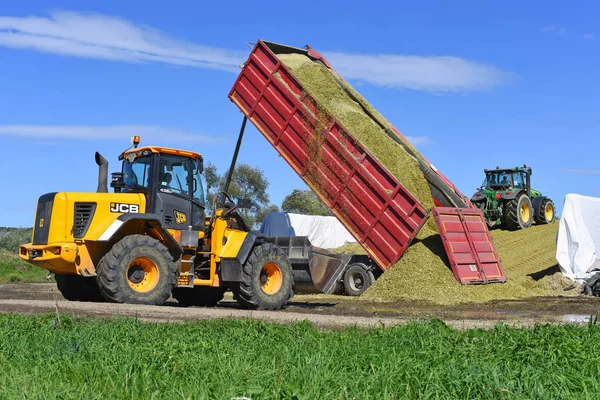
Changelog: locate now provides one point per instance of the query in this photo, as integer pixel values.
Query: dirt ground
(326, 311)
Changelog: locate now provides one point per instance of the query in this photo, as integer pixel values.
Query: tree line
(249, 182)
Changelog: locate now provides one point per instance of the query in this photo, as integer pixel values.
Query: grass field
(124, 358)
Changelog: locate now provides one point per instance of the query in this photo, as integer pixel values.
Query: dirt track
(322, 310)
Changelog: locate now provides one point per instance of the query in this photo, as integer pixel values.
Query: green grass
(15, 270)
(125, 358)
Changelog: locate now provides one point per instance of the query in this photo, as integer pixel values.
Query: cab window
(198, 189)
(518, 180)
(174, 175)
(136, 173)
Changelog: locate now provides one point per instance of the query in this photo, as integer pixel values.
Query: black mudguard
(512, 195)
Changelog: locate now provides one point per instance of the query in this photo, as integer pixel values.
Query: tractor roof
(516, 169)
(163, 150)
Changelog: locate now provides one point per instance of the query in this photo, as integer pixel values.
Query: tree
(304, 202)
(248, 182)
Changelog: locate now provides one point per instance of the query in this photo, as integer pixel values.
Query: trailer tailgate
(469, 245)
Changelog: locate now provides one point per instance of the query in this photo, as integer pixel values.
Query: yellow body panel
(78, 255)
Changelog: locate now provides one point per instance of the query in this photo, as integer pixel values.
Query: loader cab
(171, 179)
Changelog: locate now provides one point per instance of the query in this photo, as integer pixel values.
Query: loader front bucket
(326, 268)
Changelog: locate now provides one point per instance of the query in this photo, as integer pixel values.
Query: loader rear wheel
(77, 288)
(546, 214)
(518, 213)
(266, 279)
(137, 269)
(357, 279)
(199, 296)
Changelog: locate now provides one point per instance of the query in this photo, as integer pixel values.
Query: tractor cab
(507, 179)
(171, 180)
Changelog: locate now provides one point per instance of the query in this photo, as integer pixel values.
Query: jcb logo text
(124, 208)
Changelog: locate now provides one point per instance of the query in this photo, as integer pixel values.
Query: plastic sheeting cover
(578, 240)
(324, 232)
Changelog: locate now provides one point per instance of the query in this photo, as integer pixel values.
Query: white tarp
(324, 232)
(578, 241)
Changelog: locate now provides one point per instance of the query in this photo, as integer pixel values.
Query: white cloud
(555, 29)
(429, 73)
(110, 132)
(99, 36)
(112, 38)
(589, 35)
(582, 171)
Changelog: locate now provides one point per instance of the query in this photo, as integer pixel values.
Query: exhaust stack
(102, 173)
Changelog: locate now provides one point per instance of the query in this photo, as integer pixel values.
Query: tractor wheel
(546, 213)
(199, 296)
(357, 279)
(138, 269)
(266, 279)
(77, 288)
(518, 213)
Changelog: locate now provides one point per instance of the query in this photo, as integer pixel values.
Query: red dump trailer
(373, 205)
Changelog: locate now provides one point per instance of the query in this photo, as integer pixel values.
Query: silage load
(322, 86)
(528, 259)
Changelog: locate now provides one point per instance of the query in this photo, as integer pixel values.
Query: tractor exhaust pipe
(102, 173)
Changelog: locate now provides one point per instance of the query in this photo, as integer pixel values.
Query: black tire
(545, 212)
(199, 296)
(77, 288)
(68, 285)
(357, 279)
(514, 215)
(138, 269)
(266, 279)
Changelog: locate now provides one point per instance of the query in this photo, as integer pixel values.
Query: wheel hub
(136, 274)
(357, 281)
(271, 278)
(143, 274)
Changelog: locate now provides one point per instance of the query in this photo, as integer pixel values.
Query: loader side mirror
(244, 203)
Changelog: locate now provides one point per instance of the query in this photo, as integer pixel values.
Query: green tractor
(506, 198)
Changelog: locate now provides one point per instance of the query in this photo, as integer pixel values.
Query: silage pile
(323, 87)
(423, 273)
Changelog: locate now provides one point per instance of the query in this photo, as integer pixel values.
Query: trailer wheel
(357, 279)
(518, 213)
(266, 279)
(199, 296)
(137, 269)
(77, 288)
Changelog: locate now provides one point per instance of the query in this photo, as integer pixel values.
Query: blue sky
(476, 84)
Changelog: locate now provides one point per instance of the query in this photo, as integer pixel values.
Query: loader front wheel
(137, 269)
(518, 213)
(77, 288)
(199, 296)
(266, 279)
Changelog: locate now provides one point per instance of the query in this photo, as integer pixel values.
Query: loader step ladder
(469, 245)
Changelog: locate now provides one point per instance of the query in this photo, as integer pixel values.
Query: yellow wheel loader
(150, 239)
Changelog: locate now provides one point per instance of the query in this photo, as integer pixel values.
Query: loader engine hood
(73, 216)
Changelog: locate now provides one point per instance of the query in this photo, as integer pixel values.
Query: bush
(12, 238)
